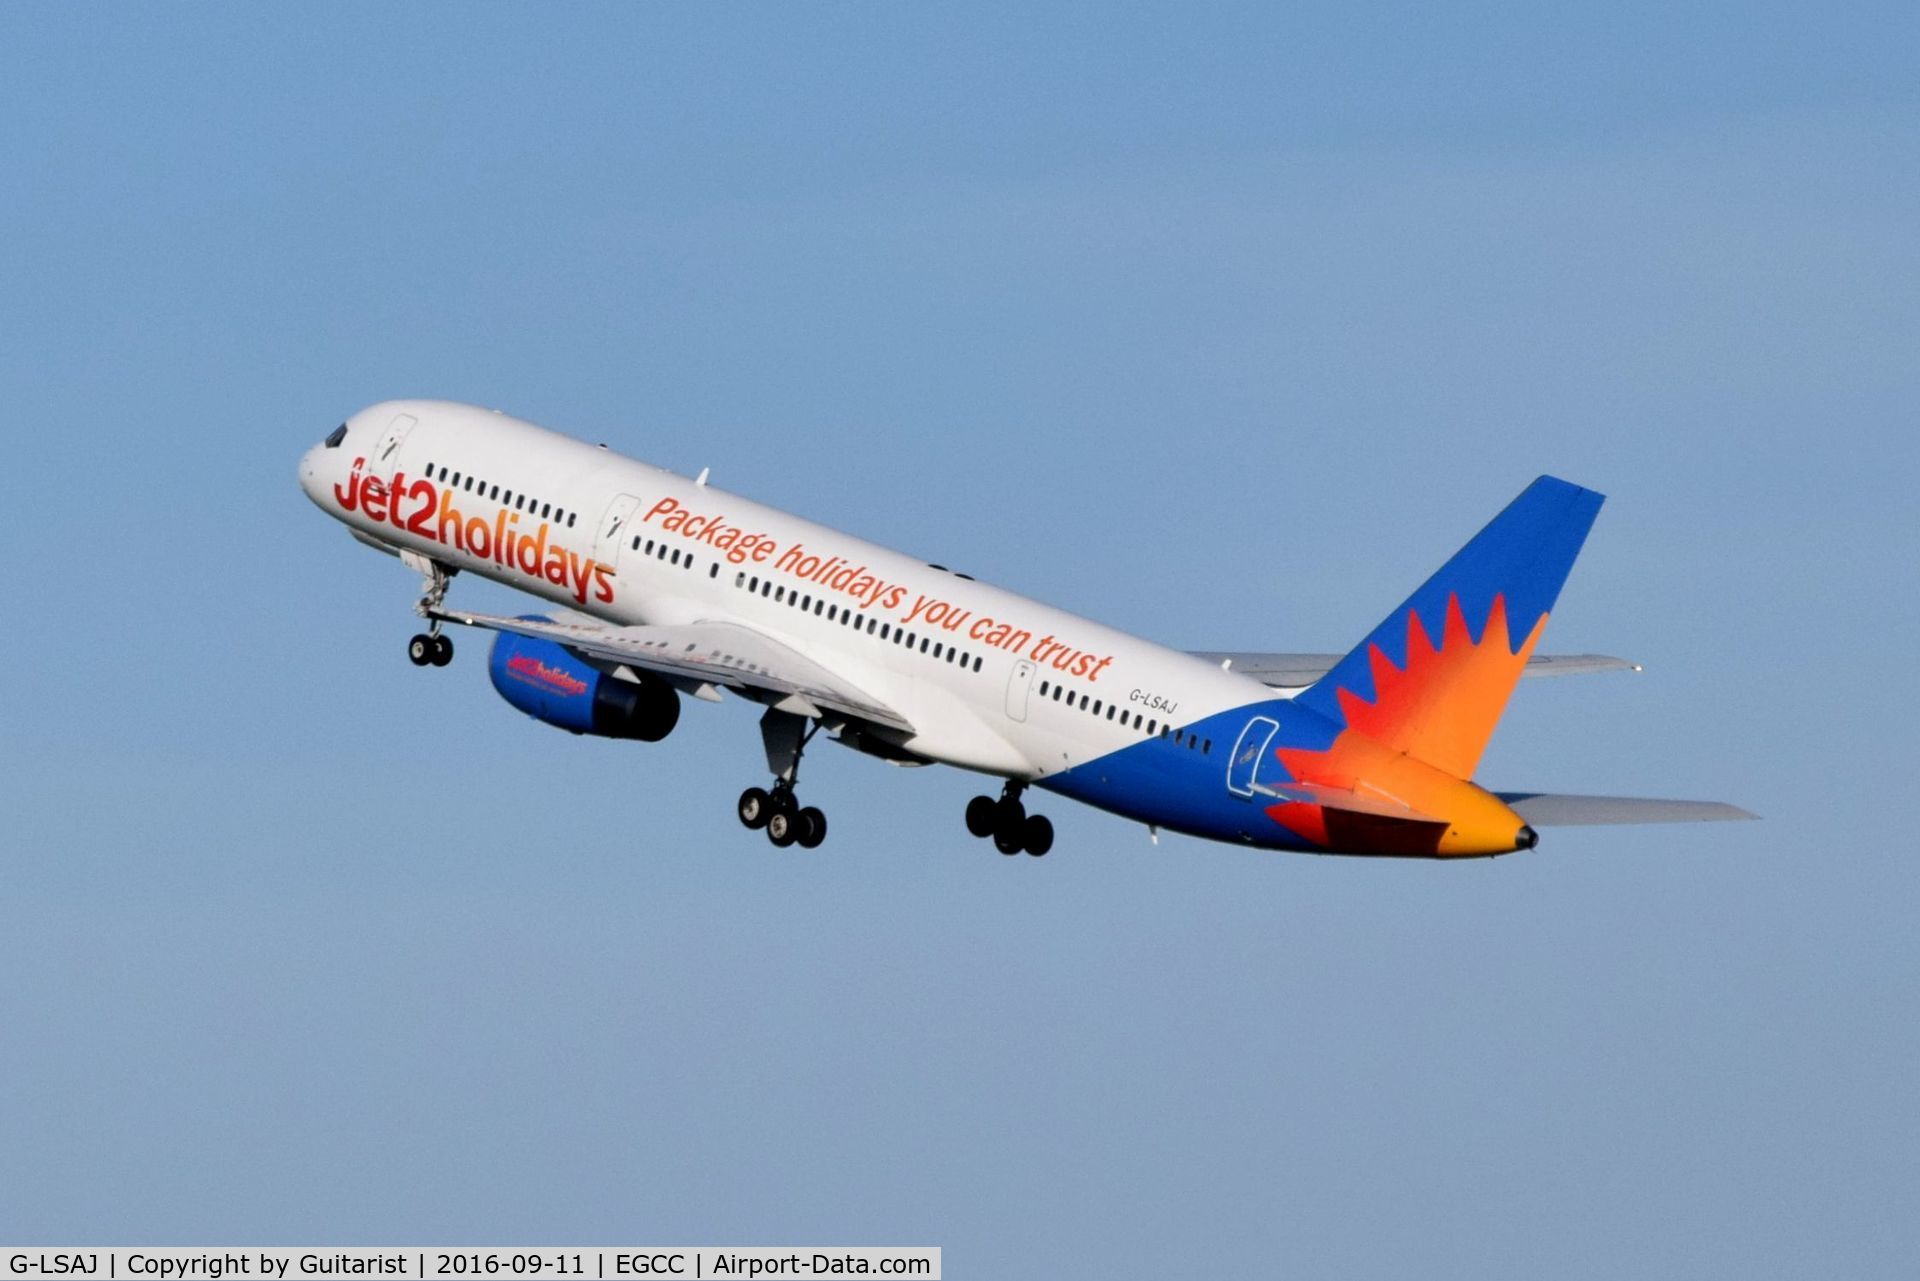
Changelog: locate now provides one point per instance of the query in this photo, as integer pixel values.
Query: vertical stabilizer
(1434, 677)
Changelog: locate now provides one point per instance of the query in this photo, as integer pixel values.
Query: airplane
(662, 588)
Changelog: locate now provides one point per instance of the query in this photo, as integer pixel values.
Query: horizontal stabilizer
(1297, 671)
(1546, 809)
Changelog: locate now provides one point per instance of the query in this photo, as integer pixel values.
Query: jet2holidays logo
(420, 507)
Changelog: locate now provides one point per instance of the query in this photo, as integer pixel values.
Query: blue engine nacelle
(547, 683)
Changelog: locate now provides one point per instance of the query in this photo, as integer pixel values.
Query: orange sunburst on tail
(1442, 706)
(1415, 742)
(1386, 743)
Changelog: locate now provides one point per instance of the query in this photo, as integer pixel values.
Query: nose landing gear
(1008, 823)
(429, 648)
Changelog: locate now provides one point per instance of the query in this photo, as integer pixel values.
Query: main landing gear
(776, 809)
(1008, 823)
(787, 822)
(429, 648)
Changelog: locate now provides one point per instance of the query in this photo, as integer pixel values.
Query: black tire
(442, 650)
(1009, 815)
(755, 808)
(420, 650)
(813, 828)
(980, 812)
(1037, 836)
(783, 828)
(1007, 842)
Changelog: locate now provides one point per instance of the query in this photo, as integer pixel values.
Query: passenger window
(467, 484)
(495, 495)
(1206, 747)
(1043, 689)
(455, 482)
(1096, 707)
(976, 663)
(571, 517)
(546, 510)
(753, 584)
(714, 570)
(885, 632)
(923, 644)
(636, 542)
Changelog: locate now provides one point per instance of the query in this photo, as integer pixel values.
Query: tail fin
(1432, 680)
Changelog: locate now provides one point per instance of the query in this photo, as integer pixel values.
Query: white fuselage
(627, 543)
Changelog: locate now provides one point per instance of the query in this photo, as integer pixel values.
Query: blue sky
(1225, 325)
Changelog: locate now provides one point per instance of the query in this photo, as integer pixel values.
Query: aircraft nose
(310, 472)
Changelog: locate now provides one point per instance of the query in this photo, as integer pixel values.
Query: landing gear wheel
(980, 812)
(442, 651)
(783, 828)
(1037, 835)
(755, 807)
(421, 649)
(813, 828)
(1009, 825)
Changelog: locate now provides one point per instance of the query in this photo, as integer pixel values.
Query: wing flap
(712, 653)
(1548, 809)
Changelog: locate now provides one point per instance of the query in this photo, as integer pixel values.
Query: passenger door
(616, 530)
(1243, 767)
(1018, 685)
(385, 455)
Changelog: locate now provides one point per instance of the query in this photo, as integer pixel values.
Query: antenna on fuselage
(701, 479)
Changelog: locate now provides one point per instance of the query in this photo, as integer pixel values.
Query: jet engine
(549, 684)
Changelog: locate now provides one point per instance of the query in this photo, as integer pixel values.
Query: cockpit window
(337, 435)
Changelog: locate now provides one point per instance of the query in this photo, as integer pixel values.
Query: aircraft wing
(1297, 671)
(718, 654)
(1545, 809)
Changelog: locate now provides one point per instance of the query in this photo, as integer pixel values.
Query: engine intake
(549, 684)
